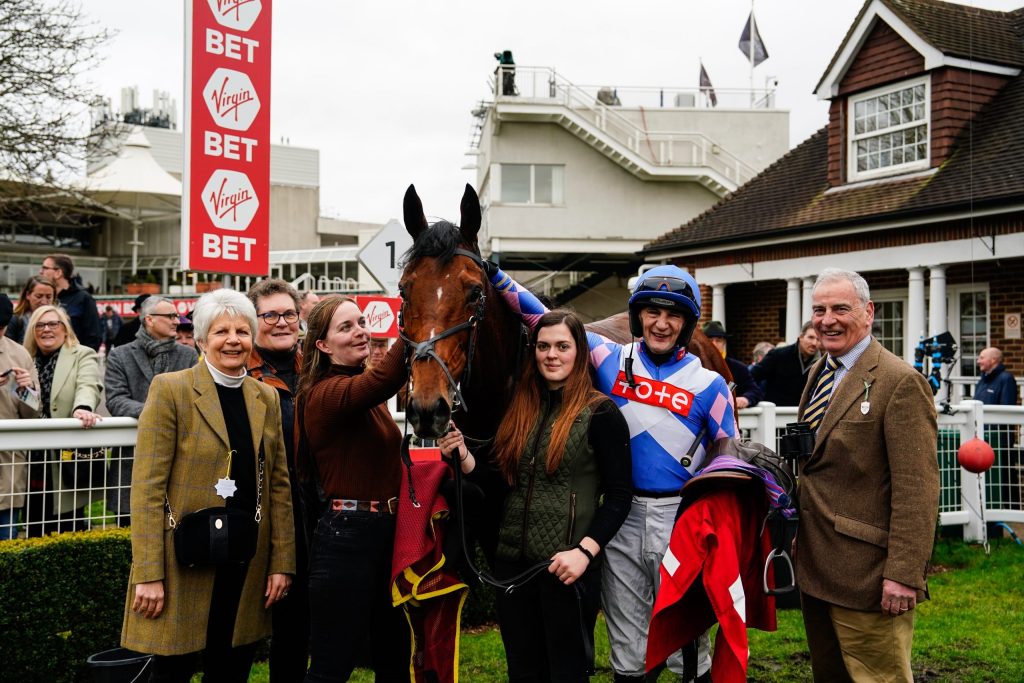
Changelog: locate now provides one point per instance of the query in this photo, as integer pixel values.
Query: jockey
(669, 400)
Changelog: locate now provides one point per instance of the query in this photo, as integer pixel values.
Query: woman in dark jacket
(564, 448)
(349, 444)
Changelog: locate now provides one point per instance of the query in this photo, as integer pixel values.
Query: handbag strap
(261, 460)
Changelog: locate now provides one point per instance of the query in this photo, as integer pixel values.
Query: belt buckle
(392, 505)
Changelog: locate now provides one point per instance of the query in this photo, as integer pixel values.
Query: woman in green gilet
(564, 449)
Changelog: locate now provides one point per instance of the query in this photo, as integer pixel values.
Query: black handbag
(218, 535)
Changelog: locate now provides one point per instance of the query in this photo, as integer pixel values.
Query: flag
(760, 51)
(705, 86)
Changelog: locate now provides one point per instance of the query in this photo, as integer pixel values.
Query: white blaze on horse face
(431, 335)
(440, 293)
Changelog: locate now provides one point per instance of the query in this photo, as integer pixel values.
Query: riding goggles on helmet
(665, 284)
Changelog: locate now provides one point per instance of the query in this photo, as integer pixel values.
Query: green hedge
(61, 600)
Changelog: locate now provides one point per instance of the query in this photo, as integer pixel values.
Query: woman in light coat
(69, 386)
(192, 421)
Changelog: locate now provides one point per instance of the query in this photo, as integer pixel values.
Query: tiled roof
(956, 30)
(792, 195)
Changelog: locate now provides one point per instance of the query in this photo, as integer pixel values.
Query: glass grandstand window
(532, 183)
(889, 130)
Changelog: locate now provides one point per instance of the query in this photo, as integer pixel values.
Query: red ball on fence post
(975, 456)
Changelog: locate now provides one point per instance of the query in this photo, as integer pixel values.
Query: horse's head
(443, 295)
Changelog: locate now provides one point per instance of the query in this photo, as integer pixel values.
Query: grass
(971, 631)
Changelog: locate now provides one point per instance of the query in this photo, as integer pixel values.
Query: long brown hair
(316, 363)
(30, 285)
(524, 412)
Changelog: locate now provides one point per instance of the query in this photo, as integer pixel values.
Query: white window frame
(496, 182)
(953, 293)
(899, 296)
(851, 138)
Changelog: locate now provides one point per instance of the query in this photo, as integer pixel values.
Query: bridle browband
(424, 350)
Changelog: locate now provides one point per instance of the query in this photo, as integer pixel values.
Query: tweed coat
(181, 452)
(869, 493)
(13, 470)
(130, 371)
(76, 382)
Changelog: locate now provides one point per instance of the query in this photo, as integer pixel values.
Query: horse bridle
(424, 350)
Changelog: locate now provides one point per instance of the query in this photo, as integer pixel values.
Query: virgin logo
(236, 14)
(379, 317)
(654, 393)
(230, 200)
(231, 99)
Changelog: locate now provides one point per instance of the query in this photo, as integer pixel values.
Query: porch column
(793, 321)
(915, 312)
(805, 308)
(937, 300)
(718, 303)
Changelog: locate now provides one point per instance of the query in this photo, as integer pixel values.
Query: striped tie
(822, 392)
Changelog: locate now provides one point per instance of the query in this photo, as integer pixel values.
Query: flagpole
(750, 49)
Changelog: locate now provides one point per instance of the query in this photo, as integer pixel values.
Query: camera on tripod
(937, 350)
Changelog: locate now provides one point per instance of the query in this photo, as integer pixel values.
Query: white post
(718, 303)
(972, 486)
(805, 308)
(937, 300)
(915, 312)
(793, 321)
(765, 431)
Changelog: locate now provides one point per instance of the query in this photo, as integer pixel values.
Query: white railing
(51, 444)
(602, 108)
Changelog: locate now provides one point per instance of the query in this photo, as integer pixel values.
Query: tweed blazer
(76, 382)
(181, 452)
(869, 492)
(130, 372)
(13, 470)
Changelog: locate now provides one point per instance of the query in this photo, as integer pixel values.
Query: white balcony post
(805, 308)
(915, 312)
(718, 303)
(937, 300)
(972, 486)
(793, 321)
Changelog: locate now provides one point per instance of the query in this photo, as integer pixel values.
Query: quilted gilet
(544, 513)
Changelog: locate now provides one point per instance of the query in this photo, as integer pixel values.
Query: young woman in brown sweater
(352, 449)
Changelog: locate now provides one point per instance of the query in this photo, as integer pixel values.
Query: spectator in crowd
(130, 370)
(38, 291)
(663, 310)
(760, 349)
(996, 385)
(74, 299)
(565, 505)
(378, 349)
(131, 328)
(16, 370)
(350, 448)
(185, 335)
(307, 301)
(277, 361)
(69, 386)
(111, 326)
(869, 493)
(209, 437)
(748, 394)
(784, 370)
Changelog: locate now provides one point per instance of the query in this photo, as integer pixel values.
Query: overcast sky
(384, 88)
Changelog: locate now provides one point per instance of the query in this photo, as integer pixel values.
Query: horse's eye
(475, 294)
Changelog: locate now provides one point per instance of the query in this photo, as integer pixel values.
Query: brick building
(916, 181)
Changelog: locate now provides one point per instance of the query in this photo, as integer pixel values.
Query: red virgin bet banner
(225, 210)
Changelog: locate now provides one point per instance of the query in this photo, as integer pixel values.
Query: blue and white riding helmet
(666, 287)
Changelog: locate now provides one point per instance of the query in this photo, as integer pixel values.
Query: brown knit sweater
(351, 434)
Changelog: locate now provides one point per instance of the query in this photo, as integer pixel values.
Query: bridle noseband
(424, 350)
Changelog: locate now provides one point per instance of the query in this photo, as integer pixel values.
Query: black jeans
(548, 627)
(289, 644)
(350, 599)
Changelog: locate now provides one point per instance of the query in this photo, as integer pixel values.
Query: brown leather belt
(383, 507)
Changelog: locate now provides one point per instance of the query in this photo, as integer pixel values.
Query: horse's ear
(412, 208)
(470, 223)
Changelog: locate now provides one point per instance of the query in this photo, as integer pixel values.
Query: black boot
(623, 678)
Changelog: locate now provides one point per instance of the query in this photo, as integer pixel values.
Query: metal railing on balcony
(66, 490)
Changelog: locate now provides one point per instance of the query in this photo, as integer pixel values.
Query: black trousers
(220, 662)
(289, 644)
(547, 627)
(350, 599)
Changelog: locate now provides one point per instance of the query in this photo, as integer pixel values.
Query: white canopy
(133, 185)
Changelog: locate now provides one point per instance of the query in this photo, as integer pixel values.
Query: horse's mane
(439, 241)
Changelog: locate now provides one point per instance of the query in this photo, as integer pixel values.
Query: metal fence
(56, 476)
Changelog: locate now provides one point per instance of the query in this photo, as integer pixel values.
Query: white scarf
(225, 380)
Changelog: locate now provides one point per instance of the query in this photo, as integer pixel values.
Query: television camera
(929, 357)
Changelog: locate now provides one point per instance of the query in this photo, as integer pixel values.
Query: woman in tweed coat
(192, 420)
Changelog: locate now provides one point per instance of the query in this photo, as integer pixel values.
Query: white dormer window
(889, 130)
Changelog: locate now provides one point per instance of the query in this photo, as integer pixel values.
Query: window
(531, 183)
(888, 326)
(889, 131)
(973, 329)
